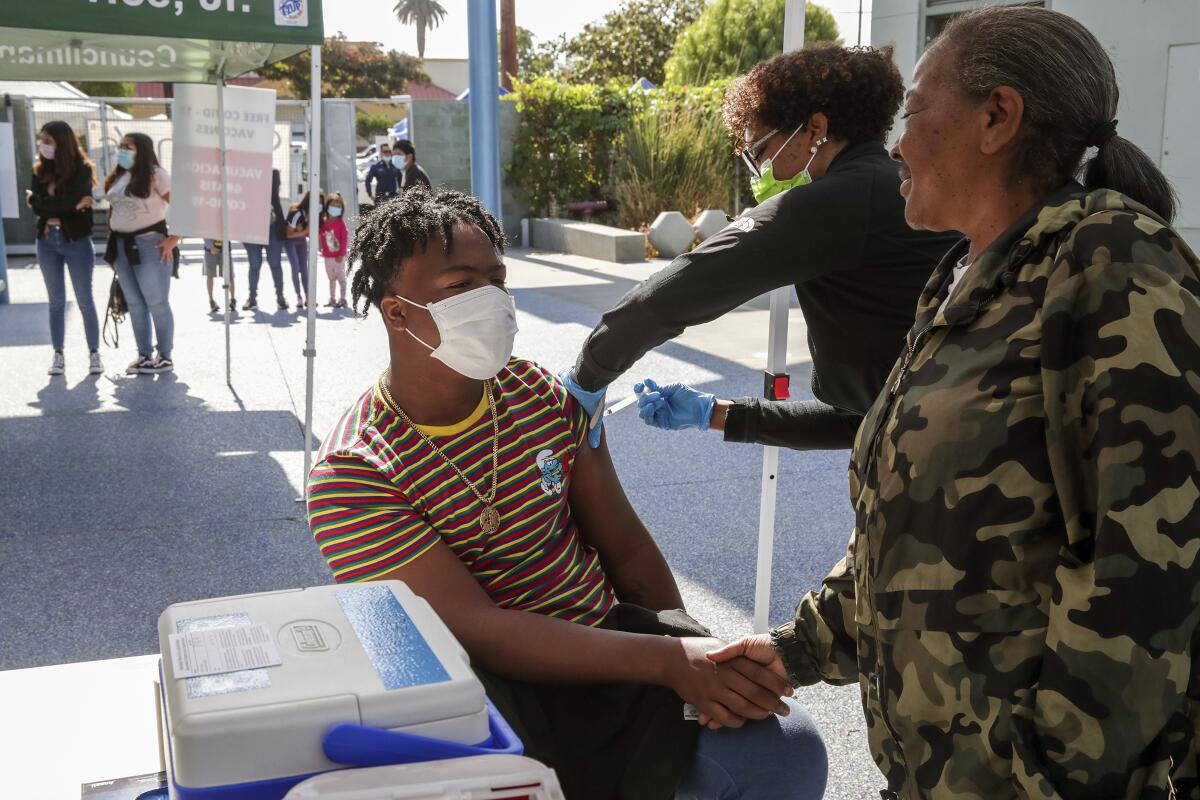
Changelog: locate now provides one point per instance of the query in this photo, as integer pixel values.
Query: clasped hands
(732, 683)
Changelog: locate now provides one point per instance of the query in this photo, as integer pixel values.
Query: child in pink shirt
(333, 247)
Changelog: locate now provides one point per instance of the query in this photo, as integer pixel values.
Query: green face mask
(767, 185)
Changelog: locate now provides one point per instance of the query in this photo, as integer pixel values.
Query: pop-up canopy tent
(179, 41)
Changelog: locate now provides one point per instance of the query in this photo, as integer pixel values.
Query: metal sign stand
(793, 39)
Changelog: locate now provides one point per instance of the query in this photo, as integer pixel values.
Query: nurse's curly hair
(390, 234)
(859, 89)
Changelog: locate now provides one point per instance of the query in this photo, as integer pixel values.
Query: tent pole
(226, 247)
(314, 239)
(793, 39)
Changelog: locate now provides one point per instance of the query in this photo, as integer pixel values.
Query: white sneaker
(58, 365)
(135, 366)
(95, 365)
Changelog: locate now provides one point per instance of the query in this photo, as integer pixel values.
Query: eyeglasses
(753, 152)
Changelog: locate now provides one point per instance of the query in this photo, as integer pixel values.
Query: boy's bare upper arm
(438, 576)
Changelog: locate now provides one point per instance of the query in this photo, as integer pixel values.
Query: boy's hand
(727, 694)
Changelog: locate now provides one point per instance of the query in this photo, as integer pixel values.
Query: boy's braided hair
(390, 234)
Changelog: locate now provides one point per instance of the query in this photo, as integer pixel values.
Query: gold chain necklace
(489, 518)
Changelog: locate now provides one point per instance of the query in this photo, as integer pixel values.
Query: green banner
(58, 55)
(272, 21)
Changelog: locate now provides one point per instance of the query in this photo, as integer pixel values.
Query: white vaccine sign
(196, 162)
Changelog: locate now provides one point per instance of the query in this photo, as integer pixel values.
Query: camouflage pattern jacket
(1019, 600)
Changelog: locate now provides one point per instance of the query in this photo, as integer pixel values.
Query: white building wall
(897, 22)
(1138, 35)
(452, 74)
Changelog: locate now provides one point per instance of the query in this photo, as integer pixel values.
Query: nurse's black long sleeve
(800, 424)
(857, 268)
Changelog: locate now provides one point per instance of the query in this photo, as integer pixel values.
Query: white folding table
(70, 724)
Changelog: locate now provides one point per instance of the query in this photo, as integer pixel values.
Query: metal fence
(101, 122)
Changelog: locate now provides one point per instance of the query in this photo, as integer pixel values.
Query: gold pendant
(489, 519)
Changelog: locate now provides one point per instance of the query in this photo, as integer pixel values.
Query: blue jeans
(274, 249)
(54, 253)
(146, 288)
(779, 758)
(297, 253)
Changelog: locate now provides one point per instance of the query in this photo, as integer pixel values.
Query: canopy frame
(66, 40)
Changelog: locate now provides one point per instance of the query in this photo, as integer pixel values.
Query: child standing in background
(333, 247)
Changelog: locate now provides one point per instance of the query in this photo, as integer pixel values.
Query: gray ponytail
(1124, 167)
(1069, 88)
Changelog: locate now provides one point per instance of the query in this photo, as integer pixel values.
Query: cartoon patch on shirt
(552, 472)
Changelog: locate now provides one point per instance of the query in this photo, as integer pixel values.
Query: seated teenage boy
(460, 472)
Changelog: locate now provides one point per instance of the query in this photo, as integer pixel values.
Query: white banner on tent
(8, 173)
(196, 166)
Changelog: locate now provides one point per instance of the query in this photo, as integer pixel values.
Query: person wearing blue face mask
(810, 126)
(142, 250)
(385, 177)
(411, 173)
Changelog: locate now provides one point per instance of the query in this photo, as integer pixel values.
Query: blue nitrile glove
(591, 402)
(674, 407)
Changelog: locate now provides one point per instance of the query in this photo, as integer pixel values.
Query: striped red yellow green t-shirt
(379, 497)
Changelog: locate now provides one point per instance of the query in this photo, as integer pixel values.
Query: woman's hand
(674, 407)
(86, 202)
(166, 246)
(756, 649)
(728, 693)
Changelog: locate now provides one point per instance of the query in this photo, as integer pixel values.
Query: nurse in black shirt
(812, 125)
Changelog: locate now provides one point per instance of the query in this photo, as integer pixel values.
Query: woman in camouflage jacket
(1019, 598)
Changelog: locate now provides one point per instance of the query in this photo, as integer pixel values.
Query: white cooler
(365, 674)
(478, 778)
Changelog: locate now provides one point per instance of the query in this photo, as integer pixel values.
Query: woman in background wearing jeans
(61, 196)
(141, 248)
(296, 246)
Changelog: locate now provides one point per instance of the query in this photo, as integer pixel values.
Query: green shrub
(566, 142)
(367, 126)
(676, 157)
(664, 150)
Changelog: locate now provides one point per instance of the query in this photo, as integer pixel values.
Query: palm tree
(422, 13)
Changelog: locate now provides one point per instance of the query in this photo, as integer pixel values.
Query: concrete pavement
(122, 494)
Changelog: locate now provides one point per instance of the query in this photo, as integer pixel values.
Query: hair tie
(1099, 135)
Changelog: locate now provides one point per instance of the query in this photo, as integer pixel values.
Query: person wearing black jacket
(411, 173)
(61, 196)
(811, 126)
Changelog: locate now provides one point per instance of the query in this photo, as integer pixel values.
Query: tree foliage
(105, 88)
(565, 147)
(425, 14)
(350, 69)
(632, 42)
(535, 59)
(731, 36)
(368, 126)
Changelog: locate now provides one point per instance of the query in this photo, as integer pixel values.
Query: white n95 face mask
(477, 329)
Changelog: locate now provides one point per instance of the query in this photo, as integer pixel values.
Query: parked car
(366, 158)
